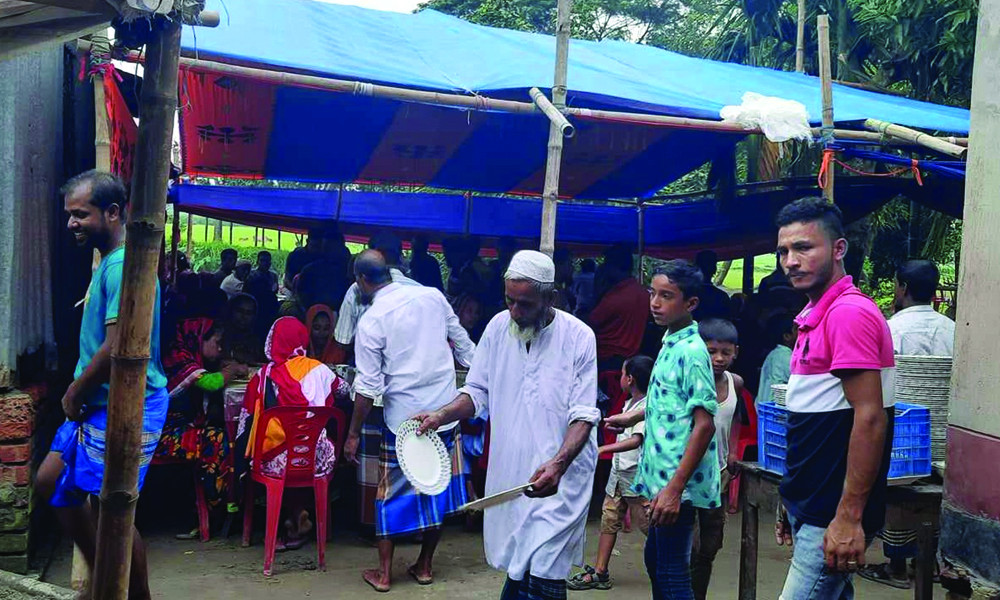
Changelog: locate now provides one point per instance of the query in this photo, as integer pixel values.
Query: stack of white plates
(926, 380)
(778, 393)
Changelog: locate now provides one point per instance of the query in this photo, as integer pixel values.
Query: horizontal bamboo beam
(558, 119)
(917, 137)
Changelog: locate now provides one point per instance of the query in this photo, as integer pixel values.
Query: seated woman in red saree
(194, 376)
(290, 378)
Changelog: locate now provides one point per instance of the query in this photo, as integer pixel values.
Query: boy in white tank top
(721, 338)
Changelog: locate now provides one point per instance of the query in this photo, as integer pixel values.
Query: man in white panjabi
(535, 375)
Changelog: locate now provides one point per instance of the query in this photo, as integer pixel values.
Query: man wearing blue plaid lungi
(73, 471)
(403, 354)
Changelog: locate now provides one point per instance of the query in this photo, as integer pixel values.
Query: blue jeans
(808, 578)
(668, 557)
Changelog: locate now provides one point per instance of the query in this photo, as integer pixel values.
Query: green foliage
(205, 256)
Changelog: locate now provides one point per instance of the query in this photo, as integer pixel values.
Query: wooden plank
(26, 39)
(748, 543)
(40, 15)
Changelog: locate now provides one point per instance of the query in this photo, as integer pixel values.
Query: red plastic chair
(748, 439)
(302, 426)
(200, 503)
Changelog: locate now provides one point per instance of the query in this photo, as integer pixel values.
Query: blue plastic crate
(772, 431)
(911, 442)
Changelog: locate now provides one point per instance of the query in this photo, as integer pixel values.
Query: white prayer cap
(533, 265)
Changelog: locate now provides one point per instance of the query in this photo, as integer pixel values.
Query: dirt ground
(221, 569)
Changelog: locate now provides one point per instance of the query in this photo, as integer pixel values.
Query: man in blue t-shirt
(74, 468)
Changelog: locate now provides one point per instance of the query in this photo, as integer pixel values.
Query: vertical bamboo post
(826, 81)
(230, 232)
(800, 39)
(190, 224)
(206, 228)
(130, 354)
(553, 161)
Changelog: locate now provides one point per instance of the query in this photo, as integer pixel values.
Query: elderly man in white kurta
(535, 376)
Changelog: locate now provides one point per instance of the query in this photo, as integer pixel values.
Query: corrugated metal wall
(31, 138)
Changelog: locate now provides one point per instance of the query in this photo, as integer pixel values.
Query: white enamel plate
(423, 458)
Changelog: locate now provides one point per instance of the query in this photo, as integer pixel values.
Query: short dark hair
(640, 368)
(588, 265)
(921, 278)
(777, 326)
(684, 275)
(262, 254)
(718, 330)
(810, 210)
(229, 252)
(389, 245)
(619, 256)
(105, 188)
(708, 262)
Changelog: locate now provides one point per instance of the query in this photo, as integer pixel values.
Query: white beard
(523, 334)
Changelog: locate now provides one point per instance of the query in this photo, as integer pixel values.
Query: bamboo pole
(175, 239)
(917, 137)
(550, 110)
(826, 84)
(800, 39)
(189, 244)
(130, 355)
(553, 160)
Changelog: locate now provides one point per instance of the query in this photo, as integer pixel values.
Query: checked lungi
(533, 588)
(369, 449)
(399, 508)
(82, 448)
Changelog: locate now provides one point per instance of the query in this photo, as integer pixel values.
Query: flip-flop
(412, 571)
(881, 574)
(378, 587)
(190, 535)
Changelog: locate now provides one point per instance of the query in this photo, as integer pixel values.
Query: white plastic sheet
(779, 119)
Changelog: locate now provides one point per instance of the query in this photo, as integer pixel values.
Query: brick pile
(17, 421)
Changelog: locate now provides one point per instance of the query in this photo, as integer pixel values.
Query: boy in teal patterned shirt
(679, 469)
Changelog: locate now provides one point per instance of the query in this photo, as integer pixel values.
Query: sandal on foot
(882, 574)
(589, 579)
(412, 571)
(194, 534)
(371, 578)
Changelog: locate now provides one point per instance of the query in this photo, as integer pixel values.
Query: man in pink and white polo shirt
(840, 418)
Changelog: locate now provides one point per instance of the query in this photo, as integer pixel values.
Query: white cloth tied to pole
(778, 119)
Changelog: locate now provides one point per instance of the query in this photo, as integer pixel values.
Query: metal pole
(131, 349)
(826, 81)
(553, 161)
(642, 240)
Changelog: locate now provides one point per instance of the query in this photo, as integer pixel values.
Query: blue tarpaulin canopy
(240, 127)
(670, 230)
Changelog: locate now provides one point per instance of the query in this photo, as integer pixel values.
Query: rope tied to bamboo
(364, 89)
(829, 156)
